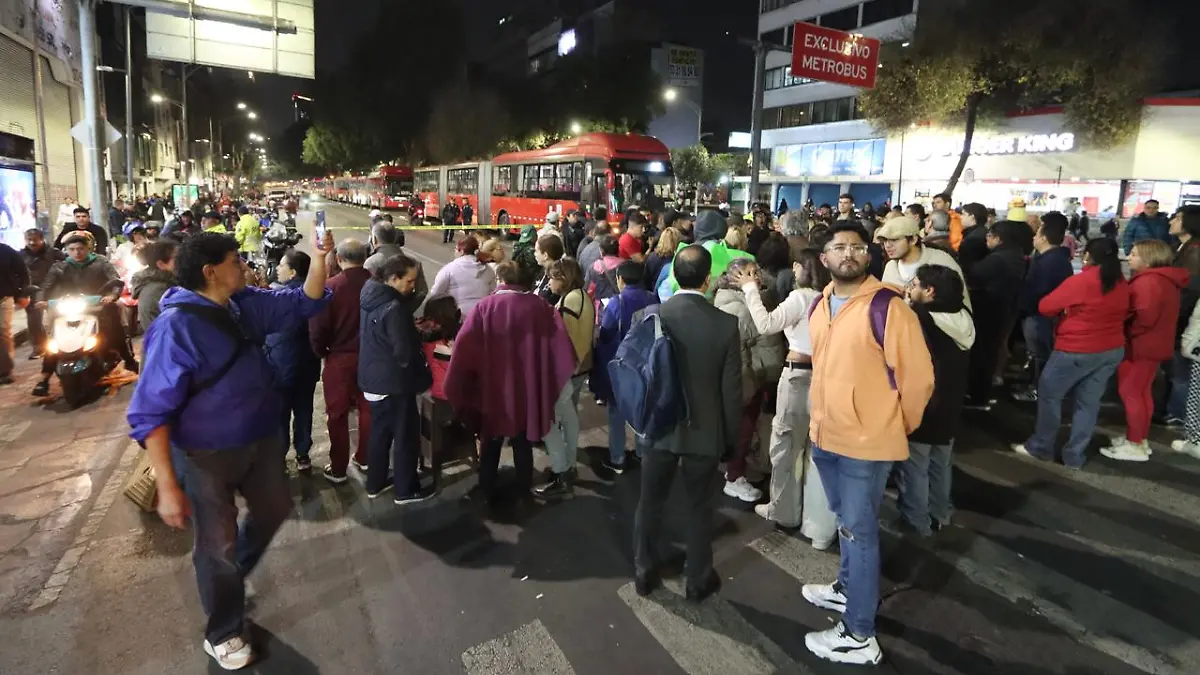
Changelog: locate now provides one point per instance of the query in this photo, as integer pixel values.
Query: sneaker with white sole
(1186, 447)
(743, 490)
(232, 654)
(826, 596)
(838, 645)
(1128, 452)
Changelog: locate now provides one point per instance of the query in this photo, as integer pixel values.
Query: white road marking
(710, 638)
(70, 560)
(529, 650)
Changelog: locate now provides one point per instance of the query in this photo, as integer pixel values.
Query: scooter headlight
(52, 346)
(71, 307)
(90, 343)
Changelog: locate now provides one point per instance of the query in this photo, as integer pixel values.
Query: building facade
(40, 100)
(815, 142)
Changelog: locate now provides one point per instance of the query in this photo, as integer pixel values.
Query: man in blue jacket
(1050, 267)
(297, 368)
(1149, 224)
(206, 406)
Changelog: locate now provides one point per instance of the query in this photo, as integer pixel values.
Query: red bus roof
(390, 170)
(607, 146)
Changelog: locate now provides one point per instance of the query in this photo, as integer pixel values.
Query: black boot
(42, 388)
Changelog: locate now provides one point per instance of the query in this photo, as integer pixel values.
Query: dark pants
(1039, 341)
(1173, 401)
(35, 318)
(297, 415)
(395, 436)
(489, 463)
(990, 335)
(735, 468)
(225, 554)
(341, 394)
(701, 477)
(448, 235)
(112, 336)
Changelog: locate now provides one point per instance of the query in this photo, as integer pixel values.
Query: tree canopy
(971, 59)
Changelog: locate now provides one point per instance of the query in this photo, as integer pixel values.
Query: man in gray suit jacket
(708, 361)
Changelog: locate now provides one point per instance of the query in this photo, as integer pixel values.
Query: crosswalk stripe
(711, 638)
(797, 558)
(1002, 575)
(529, 650)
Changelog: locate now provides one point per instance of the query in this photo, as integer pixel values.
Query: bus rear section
(426, 207)
(462, 187)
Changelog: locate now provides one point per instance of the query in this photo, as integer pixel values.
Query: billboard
(17, 212)
(217, 43)
(831, 55)
(685, 66)
(842, 158)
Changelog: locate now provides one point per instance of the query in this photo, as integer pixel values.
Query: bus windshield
(653, 190)
(399, 186)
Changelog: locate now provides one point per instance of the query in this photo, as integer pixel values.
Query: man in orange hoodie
(872, 378)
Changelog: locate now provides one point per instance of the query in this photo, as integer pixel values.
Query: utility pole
(129, 101)
(94, 149)
(761, 49)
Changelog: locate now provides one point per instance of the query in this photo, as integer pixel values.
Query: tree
(466, 122)
(730, 163)
(970, 59)
(693, 166)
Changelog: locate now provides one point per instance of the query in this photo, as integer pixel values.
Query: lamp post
(159, 99)
(670, 95)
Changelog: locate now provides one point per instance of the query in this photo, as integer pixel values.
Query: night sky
(712, 25)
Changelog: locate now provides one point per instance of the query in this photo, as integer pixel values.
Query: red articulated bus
(586, 171)
(589, 170)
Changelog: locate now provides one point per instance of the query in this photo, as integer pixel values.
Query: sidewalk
(20, 327)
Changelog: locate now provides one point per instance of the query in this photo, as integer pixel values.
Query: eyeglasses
(844, 249)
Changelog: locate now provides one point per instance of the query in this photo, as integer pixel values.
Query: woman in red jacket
(1089, 341)
(1150, 334)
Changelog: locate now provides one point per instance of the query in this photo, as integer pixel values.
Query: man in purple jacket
(206, 406)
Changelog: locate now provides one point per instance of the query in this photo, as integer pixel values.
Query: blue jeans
(616, 436)
(562, 443)
(925, 485)
(1039, 340)
(395, 440)
(1086, 377)
(297, 416)
(854, 488)
(1179, 370)
(224, 553)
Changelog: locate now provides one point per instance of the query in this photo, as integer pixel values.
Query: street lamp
(576, 128)
(252, 115)
(241, 106)
(670, 95)
(157, 98)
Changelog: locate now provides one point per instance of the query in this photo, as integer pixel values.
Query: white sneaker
(838, 645)
(743, 490)
(1186, 447)
(825, 596)
(232, 654)
(1117, 441)
(1128, 452)
(1019, 448)
(764, 512)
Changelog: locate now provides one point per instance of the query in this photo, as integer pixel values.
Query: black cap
(212, 214)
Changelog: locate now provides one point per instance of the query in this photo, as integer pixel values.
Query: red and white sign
(833, 56)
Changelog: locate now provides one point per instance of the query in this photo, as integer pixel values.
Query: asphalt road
(1045, 570)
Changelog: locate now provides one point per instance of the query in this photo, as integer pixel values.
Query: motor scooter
(83, 357)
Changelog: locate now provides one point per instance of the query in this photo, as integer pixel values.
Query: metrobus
(583, 172)
(387, 187)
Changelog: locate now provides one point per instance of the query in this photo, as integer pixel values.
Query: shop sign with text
(934, 147)
(829, 55)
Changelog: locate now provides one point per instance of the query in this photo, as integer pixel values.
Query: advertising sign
(171, 37)
(831, 55)
(684, 66)
(184, 195)
(17, 212)
(843, 158)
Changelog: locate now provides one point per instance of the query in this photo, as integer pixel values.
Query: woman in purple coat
(511, 360)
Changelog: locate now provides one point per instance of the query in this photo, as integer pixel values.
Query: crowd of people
(863, 335)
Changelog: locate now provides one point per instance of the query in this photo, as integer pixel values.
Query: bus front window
(399, 186)
(653, 190)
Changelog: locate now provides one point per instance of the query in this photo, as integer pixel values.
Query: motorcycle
(83, 358)
(276, 242)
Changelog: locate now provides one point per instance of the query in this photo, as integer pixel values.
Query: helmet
(374, 214)
(133, 226)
